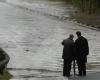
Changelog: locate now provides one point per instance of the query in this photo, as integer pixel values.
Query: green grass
(5, 76)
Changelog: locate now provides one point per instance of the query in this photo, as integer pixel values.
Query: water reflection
(55, 9)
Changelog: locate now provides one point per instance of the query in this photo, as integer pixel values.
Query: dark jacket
(82, 48)
(68, 49)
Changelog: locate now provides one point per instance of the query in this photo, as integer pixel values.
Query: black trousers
(81, 68)
(67, 67)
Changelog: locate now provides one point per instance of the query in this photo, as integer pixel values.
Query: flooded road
(31, 33)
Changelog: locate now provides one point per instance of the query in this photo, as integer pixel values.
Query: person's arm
(87, 47)
(62, 42)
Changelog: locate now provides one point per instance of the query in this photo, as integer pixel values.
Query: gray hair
(71, 36)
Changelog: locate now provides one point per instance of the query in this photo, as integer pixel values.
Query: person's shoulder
(66, 39)
(77, 39)
(84, 38)
(63, 42)
(81, 38)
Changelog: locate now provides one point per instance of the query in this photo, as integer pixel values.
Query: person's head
(71, 36)
(78, 33)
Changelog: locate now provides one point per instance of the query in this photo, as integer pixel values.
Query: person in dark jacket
(4, 59)
(68, 54)
(82, 50)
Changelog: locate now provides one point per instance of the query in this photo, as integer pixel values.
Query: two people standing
(78, 51)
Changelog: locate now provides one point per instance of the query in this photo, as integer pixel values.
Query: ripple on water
(93, 66)
(33, 73)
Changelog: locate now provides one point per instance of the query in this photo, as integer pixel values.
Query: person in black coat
(82, 50)
(68, 54)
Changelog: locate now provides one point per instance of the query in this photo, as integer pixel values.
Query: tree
(87, 6)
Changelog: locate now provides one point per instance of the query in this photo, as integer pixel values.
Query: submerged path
(33, 41)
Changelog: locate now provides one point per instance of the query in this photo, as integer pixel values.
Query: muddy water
(31, 32)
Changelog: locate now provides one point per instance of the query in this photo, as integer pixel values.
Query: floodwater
(31, 32)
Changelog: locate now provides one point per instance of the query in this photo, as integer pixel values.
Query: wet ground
(31, 33)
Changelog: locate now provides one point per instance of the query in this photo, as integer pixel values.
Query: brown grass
(92, 20)
(5, 76)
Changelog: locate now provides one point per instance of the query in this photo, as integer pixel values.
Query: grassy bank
(5, 76)
(90, 20)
